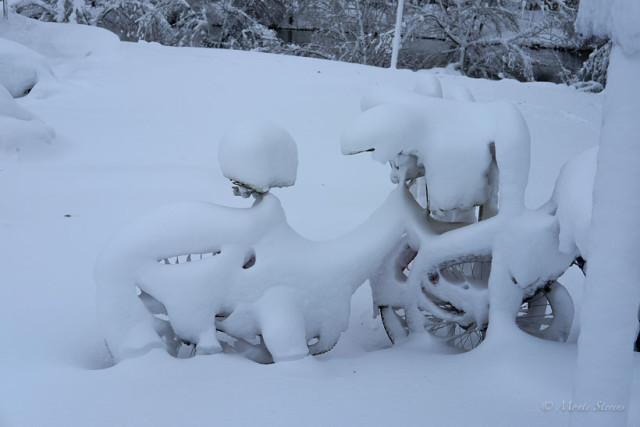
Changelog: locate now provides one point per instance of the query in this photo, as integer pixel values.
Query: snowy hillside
(113, 130)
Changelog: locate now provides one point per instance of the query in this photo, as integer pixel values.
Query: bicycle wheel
(548, 313)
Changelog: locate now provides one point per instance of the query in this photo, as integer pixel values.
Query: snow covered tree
(592, 76)
(489, 38)
(609, 321)
(235, 24)
(397, 34)
(355, 30)
(75, 11)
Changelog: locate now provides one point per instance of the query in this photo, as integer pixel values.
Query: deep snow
(137, 126)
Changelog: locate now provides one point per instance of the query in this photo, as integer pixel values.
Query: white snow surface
(259, 154)
(137, 128)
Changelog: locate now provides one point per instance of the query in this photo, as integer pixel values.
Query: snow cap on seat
(259, 155)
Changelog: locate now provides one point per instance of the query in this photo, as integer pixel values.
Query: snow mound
(258, 155)
(20, 130)
(457, 142)
(459, 93)
(21, 67)
(58, 42)
(428, 84)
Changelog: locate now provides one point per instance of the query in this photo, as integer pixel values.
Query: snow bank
(58, 42)
(21, 67)
(258, 155)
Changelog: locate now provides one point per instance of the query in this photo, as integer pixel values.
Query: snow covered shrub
(40, 10)
(74, 11)
(358, 31)
(592, 76)
(490, 39)
(219, 24)
(121, 18)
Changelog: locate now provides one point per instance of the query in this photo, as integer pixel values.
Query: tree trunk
(397, 35)
(609, 320)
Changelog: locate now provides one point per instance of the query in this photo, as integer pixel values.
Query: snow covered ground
(137, 126)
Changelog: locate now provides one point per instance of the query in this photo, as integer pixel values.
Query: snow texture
(259, 155)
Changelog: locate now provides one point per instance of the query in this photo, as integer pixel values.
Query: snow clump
(258, 155)
(459, 143)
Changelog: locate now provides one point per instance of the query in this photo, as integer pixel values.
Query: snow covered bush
(220, 24)
(74, 11)
(355, 31)
(490, 39)
(592, 76)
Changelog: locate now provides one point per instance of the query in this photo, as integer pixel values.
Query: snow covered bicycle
(464, 161)
(200, 278)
